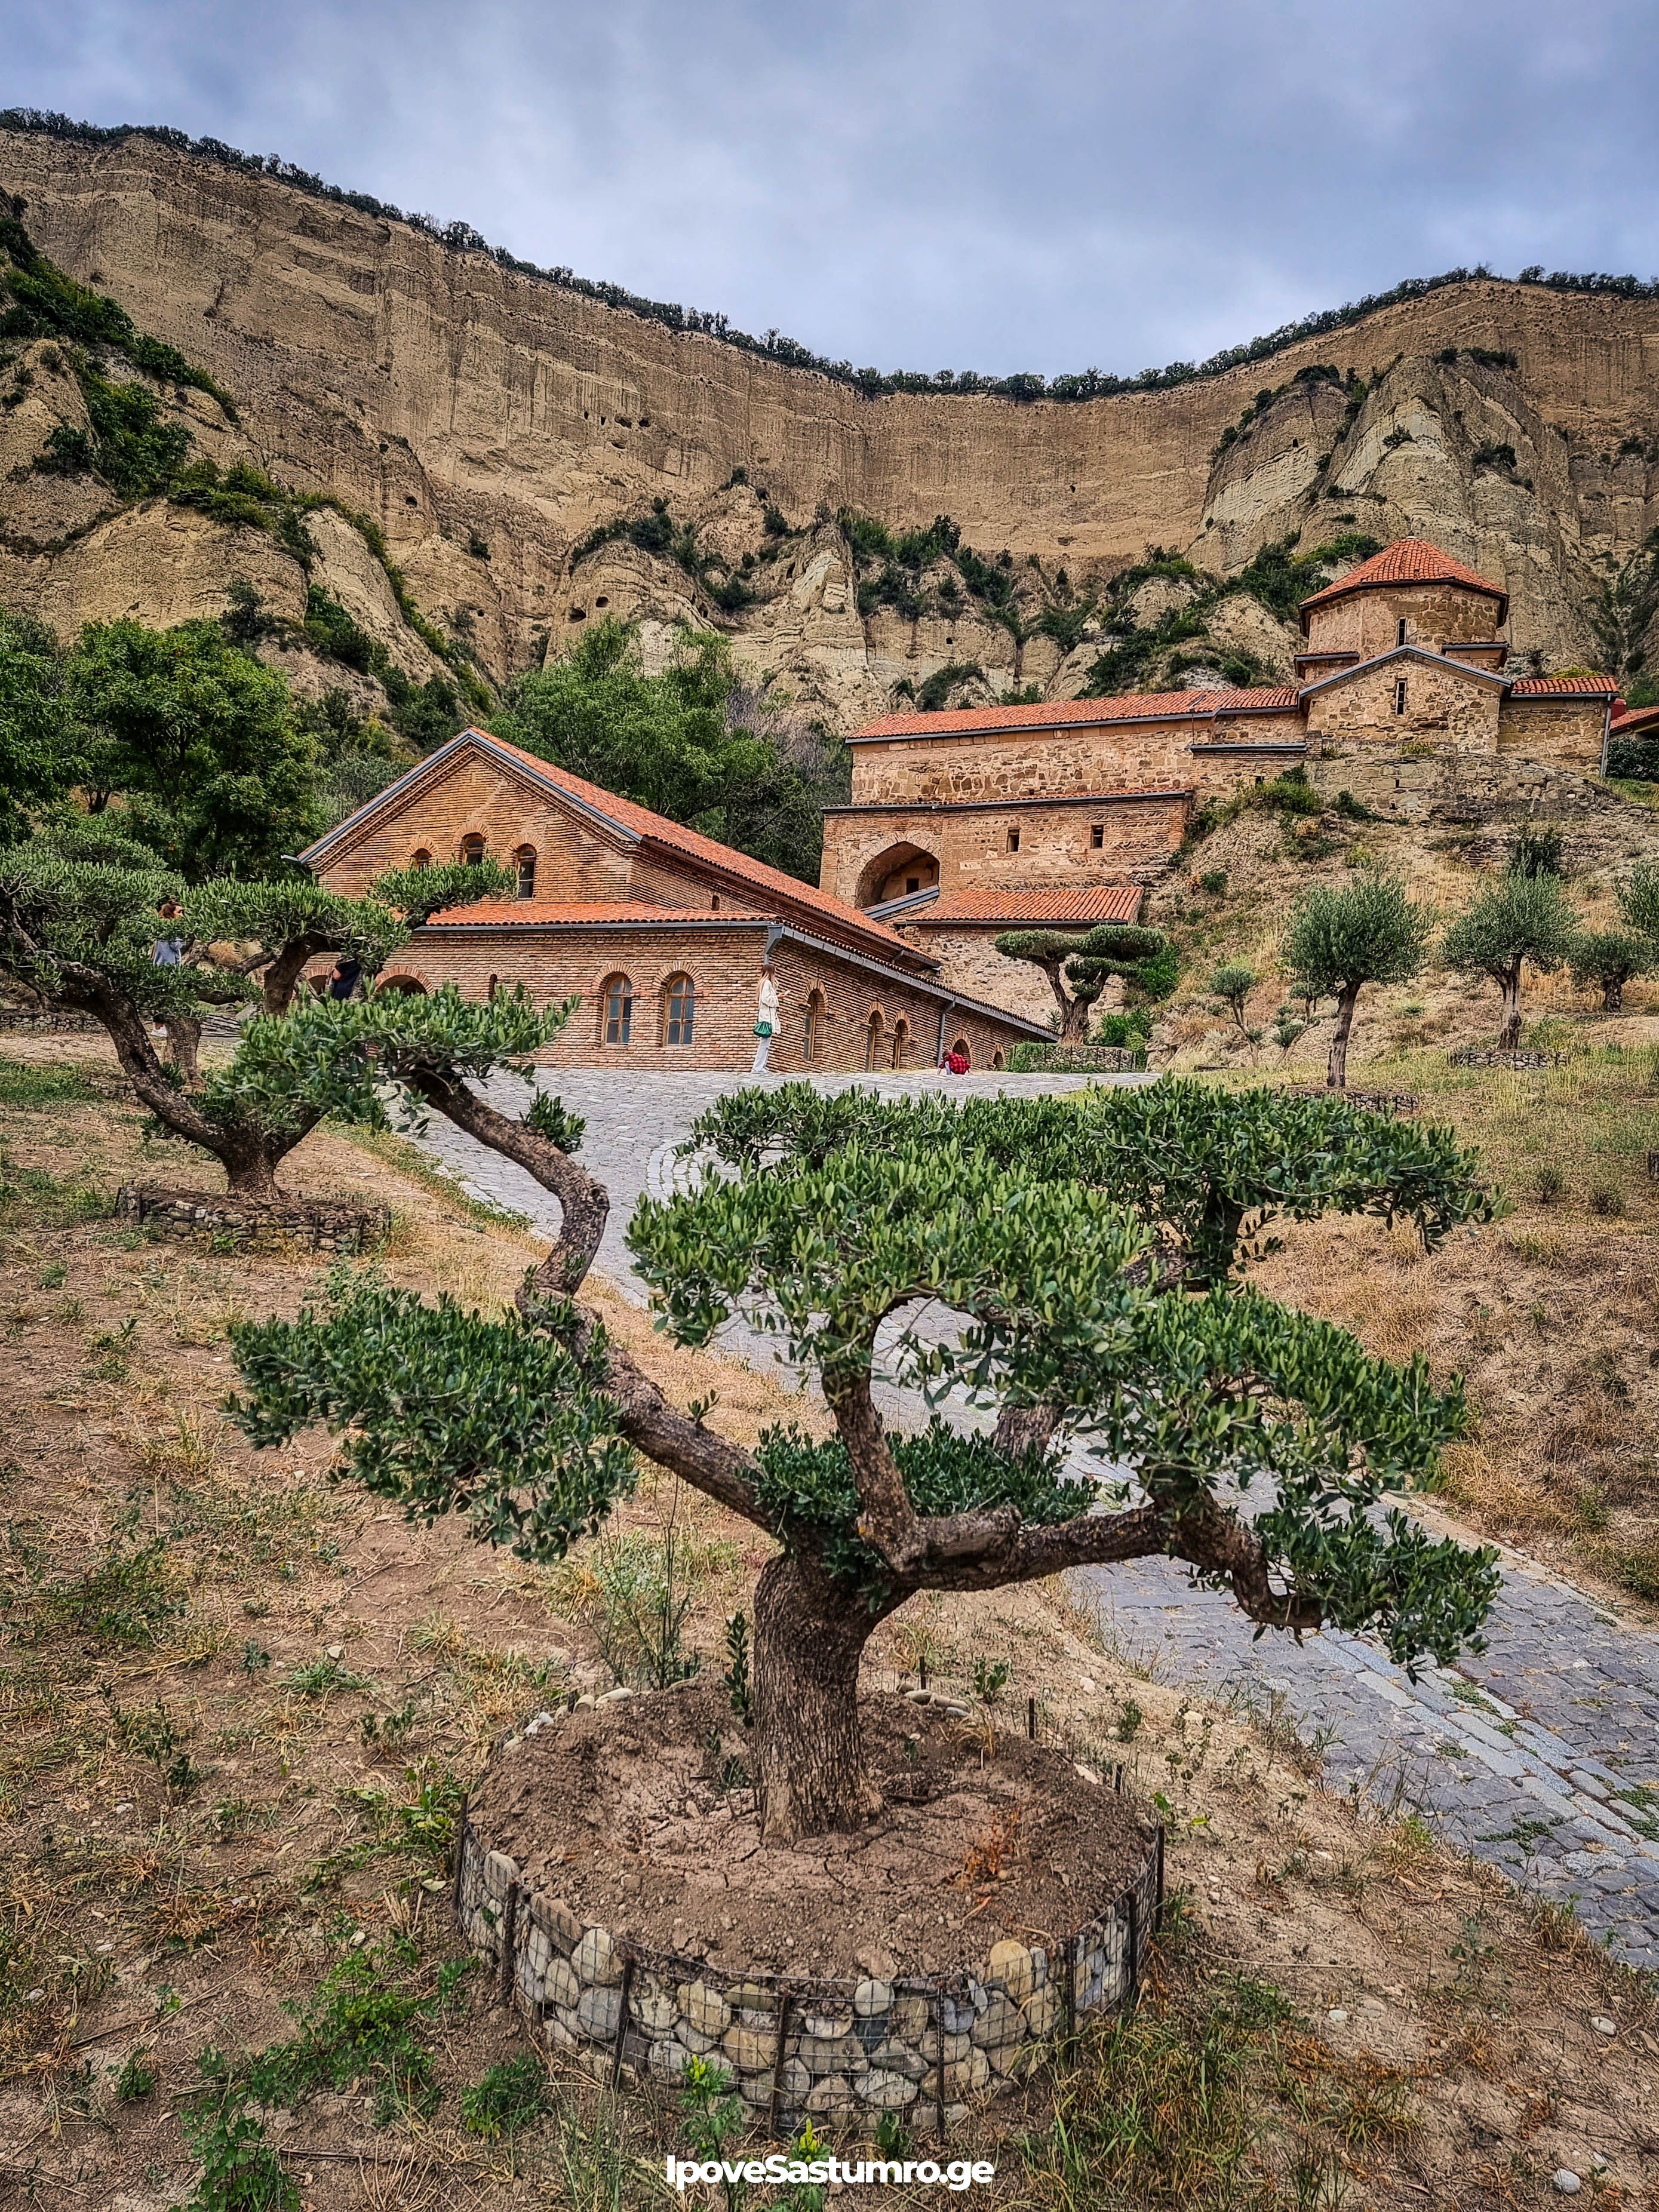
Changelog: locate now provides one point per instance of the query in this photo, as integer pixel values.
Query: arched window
(524, 861)
(872, 1040)
(472, 850)
(680, 1010)
(960, 1045)
(407, 987)
(420, 858)
(901, 1042)
(812, 1043)
(997, 1059)
(616, 1010)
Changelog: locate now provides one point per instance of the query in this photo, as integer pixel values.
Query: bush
(1607, 1200)
(1549, 1186)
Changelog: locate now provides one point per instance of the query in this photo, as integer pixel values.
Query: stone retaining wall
(218, 1220)
(924, 2048)
(1518, 1062)
(33, 1023)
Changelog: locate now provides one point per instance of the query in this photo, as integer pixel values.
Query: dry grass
(188, 1777)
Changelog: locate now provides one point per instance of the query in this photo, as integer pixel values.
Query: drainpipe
(1607, 735)
(947, 1007)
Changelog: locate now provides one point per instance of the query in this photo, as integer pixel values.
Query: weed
(1548, 1186)
(240, 2172)
(1129, 1717)
(1607, 1200)
(319, 1676)
(254, 1656)
(509, 2098)
(736, 1677)
(124, 1600)
(991, 1678)
(135, 2079)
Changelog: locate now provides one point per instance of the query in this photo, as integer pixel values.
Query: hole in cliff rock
(410, 500)
(645, 421)
(579, 614)
(602, 601)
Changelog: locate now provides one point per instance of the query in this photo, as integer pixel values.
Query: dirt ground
(637, 1816)
(241, 1705)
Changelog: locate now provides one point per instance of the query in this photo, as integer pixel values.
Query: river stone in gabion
(748, 2050)
(500, 1873)
(1042, 2010)
(883, 2092)
(595, 1958)
(968, 2076)
(698, 2044)
(955, 2016)
(898, 2059)
(598, 2009)
(704, 2009)
(826, 2020)
(651, 2004)
(668, 2060)
(909, 2017)
(556, 2035)
(872, 1997)
(833, 2094)
(1012, 1966)
(1000, 2023)
(797, 2081)
(829, 2054)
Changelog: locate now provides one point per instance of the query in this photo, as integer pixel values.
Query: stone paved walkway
(1540, 1755)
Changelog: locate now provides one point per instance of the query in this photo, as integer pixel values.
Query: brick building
(998, 817)
(658, 933)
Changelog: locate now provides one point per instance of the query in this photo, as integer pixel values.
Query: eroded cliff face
(490, 423)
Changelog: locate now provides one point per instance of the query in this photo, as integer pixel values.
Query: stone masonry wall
(1056, 847)
(1369, 622)
(1444, 707)
(724, 963)
(1027, 763)
(1567, 732)
(215, 1219)
(924, 2048)
(970, 962)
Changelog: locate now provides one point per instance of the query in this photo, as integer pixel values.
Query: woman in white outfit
(766, 1020)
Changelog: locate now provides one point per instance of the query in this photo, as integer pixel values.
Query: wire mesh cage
(923, 2048)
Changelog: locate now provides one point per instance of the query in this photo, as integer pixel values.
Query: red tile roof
(1131, 707)
(1407, 561)
(551, 914)
(1564, 686)
(767, 888)
(1096, 903)
(1633, 718)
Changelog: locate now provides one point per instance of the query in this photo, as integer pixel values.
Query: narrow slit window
(1400, 696)
(1013, 841)
(1096, 836)
(1399, 631)
(524, 861)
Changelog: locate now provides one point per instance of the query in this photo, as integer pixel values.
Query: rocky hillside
(508, 460)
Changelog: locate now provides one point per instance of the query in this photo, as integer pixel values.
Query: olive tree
(81, 920)
(1339, 940)
(1087, 960)
(1517, 922)
(828, 1233)
(1605, 959)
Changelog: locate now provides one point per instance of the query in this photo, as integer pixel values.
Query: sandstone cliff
(492, 423)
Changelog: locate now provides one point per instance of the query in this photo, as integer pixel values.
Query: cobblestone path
(1540, 1755)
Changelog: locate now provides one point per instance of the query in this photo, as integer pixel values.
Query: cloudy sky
(999, 185)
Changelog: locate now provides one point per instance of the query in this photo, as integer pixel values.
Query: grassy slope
(197, 1812)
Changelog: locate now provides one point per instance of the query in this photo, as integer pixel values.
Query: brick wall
(1444, 707)
(724, 965)
(1369, 622)
(1027, 763)
(477, 797)
(1566, 731)
(1056, 846)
